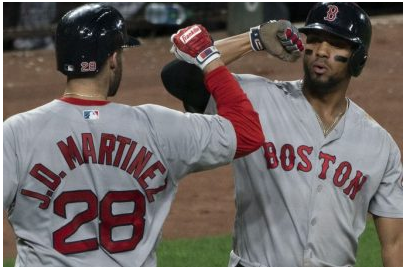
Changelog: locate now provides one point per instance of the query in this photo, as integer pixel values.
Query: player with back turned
(303, 198)
(88, 182)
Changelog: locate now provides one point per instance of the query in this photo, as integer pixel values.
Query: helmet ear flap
(357, 60)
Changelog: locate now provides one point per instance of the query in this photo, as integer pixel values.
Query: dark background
(35, 20)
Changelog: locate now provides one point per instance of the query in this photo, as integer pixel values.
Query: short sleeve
(10, 173)
(192, 142)
(387, 201)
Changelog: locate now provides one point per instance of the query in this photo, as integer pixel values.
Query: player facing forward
(88, 182)
(303, 198)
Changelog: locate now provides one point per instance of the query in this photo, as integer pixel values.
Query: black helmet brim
(316, 27)
(131, 42)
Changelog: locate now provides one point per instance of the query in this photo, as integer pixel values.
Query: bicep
(186, 82)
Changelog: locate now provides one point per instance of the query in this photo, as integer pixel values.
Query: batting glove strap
(207, 56)
(255, 42)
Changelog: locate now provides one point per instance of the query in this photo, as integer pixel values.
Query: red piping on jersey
(84, 102)
(233, 104)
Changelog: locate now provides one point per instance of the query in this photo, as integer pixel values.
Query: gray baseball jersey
(302, 199)
(90, 183)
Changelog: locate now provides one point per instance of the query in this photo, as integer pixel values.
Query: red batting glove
(194, 45)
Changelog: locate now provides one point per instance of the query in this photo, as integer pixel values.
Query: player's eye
(339, 44)
(311, 39)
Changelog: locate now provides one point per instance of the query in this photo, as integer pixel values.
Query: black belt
(239, 265)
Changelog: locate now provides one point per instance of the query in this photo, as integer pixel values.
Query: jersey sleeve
(192, 142)
(10, 173)
(387, 201)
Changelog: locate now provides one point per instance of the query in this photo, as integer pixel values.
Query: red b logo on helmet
(331, 13)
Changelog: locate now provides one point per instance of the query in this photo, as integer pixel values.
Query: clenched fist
(194, 45)
(279, 38)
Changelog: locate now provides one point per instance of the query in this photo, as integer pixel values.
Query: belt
(239, 265)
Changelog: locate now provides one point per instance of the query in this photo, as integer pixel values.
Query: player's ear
(113, 60)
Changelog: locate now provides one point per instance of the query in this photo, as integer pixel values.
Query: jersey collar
(84, 102)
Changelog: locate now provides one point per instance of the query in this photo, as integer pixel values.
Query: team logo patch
(331, 13)
(189, 34)
(68, 67)
(91, 114)
(206, 54)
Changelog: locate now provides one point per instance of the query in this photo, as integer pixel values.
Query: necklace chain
(327, 130)
(83, 95)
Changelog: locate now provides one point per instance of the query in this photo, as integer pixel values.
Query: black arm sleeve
(186, 82)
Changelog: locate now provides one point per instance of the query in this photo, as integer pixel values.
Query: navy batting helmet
(87, 36)
(345, 20)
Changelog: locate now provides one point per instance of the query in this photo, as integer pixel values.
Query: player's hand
(194, 45)
(279, 38)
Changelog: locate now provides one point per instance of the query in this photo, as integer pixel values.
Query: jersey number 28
(107, 221)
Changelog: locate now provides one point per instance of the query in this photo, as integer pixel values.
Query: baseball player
(302, 199)
(88, 182)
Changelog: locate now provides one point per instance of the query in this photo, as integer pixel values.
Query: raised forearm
(186, 82)
(278, 38)
(234, 47)
(213, 65)
(194, 45)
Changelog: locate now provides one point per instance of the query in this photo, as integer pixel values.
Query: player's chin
(321, 78)
(318, 78)
(317, 81)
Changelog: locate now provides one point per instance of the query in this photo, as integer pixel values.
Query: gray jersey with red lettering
(90, 184)
(302, 199)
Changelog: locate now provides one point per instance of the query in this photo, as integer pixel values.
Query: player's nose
(323, 49)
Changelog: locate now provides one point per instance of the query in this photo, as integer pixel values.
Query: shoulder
(260, 84)
(25, 125)
(143, 113)
(34, 115)
(156, 110)
(370, 126)
(158, 116)
(250, 78)
(362, 118)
